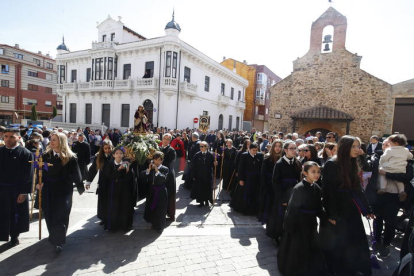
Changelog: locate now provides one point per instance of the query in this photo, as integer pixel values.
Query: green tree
(33, 117)
(54, 112)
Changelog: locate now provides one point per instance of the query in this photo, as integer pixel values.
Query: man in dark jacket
(116, 137)
(194, 148)
(169, 160)
(374, 145)
(211, 137)
(83, 152)
(202, 165)
(15, 183)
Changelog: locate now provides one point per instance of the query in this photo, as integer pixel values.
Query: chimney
(244, 61)
(16, 45)
(40, 52)
(224, 58)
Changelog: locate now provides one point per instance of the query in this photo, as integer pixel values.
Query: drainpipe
(178, 92)
(159, 92)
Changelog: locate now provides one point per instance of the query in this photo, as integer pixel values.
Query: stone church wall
(336, 81)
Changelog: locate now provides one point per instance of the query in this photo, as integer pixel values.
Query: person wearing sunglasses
(310, 154)
(202, 166)
(330, 137)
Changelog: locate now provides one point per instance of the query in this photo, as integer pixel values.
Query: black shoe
(200, 205)
(58, 249)
(14, 241)
(384, 251)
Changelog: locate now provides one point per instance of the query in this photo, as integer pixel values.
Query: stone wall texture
(334, 80)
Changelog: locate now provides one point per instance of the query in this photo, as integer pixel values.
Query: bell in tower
(326, 49)
(327, 40)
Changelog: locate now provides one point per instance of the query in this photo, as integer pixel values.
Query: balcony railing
(169, 83)
(260, 101)
(103, 45)
(223, 100)
(188, 88)
(241, 105)
(259, 117)
(146, 84)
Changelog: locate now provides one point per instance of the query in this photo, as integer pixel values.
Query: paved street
(202, 241)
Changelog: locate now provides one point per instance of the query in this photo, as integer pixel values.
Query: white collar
(252, 155)
(287, 159)
(13, 147)
(159, 166)
(54, 153)
(117, 163)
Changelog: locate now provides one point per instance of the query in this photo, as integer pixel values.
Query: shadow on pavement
(83, 250)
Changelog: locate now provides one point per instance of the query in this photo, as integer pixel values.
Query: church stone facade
(327, 90)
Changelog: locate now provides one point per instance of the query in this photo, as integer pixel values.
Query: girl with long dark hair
(344, 238)
(266, 191)
(100, 164)
(311, 154)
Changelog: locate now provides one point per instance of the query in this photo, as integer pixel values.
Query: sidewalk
(202, 241)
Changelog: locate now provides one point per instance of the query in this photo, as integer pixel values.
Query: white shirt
(288, 160)
(13, 147)
(54, 153)
(374, 146)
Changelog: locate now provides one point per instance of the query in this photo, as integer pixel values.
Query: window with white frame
(36, 61)
(48, 103)
(5, 83)
(19, 56)
(49, 65)
(260, 94)
(1, 51)
(5, 99)
(32, 74)
(49, 77)
(4, 69)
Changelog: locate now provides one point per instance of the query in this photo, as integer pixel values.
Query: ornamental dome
(62, 46)
(173, 25)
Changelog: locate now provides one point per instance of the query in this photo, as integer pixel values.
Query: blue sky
(269, 32)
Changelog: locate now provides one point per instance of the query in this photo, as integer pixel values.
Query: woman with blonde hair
(57, 188)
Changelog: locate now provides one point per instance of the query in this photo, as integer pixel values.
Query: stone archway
(324, 131)
(149, 108)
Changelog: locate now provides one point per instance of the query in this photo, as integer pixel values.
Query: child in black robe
(101, 163)
(157, 200)
(286, 175)
(120, 196)
(300, 253)
(246, 196)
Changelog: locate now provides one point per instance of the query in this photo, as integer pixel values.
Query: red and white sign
(195, 120)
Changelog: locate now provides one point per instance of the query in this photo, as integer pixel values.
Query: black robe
(228, 167)
(157, 200)
(194, 148)
(104, 185)
(169, 159)
(246, 198)
(345, 244)
(120, 198)
(83, 153)
(57, 194)
(300, 253)
(16, 178)
(285, 177)
(202, 167)
(267, 195)
(219, 145)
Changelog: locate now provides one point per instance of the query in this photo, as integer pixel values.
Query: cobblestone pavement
(202, 241)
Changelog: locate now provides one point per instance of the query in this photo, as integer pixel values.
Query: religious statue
(140, 121)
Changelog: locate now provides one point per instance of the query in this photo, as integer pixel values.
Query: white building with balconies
(171, 79)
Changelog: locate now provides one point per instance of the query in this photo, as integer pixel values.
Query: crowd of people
(311, 192)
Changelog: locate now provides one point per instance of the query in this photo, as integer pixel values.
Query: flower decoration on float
(139, 147)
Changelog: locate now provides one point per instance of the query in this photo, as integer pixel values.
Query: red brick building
(26, 79)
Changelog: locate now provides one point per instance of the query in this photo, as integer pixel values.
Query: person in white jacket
(394, 160)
